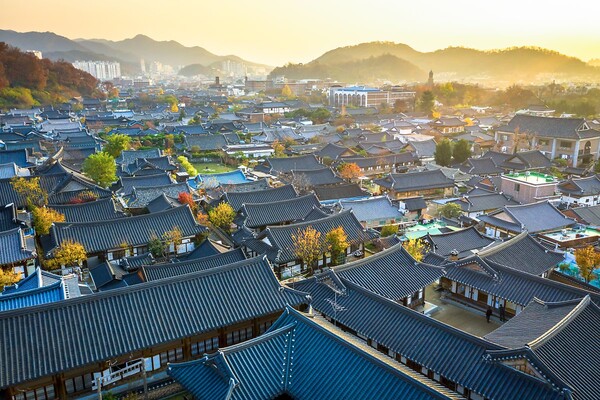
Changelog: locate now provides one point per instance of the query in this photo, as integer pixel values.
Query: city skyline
(275, 34)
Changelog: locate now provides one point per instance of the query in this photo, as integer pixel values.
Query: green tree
(450, 210)
(101, 168)
(443, 153)
(461, 151)
(389, 230)
(173, 238)
(31, 190)
(155, 246)
(337, 243)
(43, 218)
(116, 144)
(427, 102)
(222, 216)
(187, 165)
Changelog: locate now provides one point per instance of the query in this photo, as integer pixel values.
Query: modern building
(571, 139)
(101, 70)
(580, 192)
(364, 96)
(528, 187)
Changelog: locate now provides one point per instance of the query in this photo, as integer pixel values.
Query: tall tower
(143, 66)
(430, 80)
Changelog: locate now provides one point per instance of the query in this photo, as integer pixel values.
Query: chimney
(454, 255)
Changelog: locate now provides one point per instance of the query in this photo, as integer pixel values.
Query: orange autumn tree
(187, 198)
(587, 260)
(349, 171)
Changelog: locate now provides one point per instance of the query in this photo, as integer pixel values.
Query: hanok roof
(135, 231)
(392, 273)
(535, 217)
(310, 178)
(525, 160)
(19, 157)
(14, 248)
(128, 183)
(465, 241)
(154, 272)
(484, 202)
(140, 197)
(523, 253)
(391, 159)
(334, 151)
(481, 166)
(278, 242)
(188, 305)
(8, 218)
(206, 142)
(589, 215)
(40, 287)
(558, 334)
(352, 373)
(249, 186)
(285, 165)
(415, 181)
(560, 128)
(97, 210)
(276, 213)
(11, 170)
(162, 203)
(588, 186)
(450, 352)
(516, 286)
(339, 192)
(377, 208)
(129, 156)
(237, 199)
(423, 148)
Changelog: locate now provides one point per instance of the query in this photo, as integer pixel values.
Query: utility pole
(99, 386)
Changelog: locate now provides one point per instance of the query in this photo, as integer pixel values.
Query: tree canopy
(426, 102)
(415, 248)
(461, 151)
(450, 210)
(44, 217)
(443, 153)
(308, 246)
(101, 168)
(190, 169)
(337, 243)
(30, 189)
(587, 260)
(68, 254)
(222, 216)
(349, 171)
(116, 144)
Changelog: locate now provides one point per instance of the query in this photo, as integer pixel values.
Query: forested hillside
(27, 81)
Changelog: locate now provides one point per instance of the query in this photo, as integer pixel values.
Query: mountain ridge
(128, 51)
(462, 63)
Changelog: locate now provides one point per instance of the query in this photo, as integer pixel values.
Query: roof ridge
(549, 334)
(137, 217)
(503, 245)
(160, 282)
(293, 199)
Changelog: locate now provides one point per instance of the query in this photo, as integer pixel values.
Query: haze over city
(275, 33)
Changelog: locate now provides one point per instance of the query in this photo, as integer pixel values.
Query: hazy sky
(276, 32)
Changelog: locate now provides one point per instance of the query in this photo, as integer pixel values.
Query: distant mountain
(595, 62)
(128, 51)
(386, 67)
(196, 69)
(453, 63)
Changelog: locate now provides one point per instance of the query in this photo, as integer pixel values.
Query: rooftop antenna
(334, 304)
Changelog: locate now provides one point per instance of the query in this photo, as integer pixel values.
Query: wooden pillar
(187, 349)
(60, 389)
(255, 329)
(222, 338)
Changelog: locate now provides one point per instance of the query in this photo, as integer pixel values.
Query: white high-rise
(101, 70)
